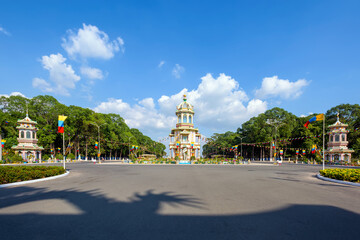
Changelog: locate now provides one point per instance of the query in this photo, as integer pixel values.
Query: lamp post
(129, 145)
(241, 138)
(95, 124)
(276, 124)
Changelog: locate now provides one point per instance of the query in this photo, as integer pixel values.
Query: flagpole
(64, 149)
(324, 143)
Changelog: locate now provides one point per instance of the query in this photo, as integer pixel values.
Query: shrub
(350, 175)
(70, 156)
(9, 174)
(59, 156)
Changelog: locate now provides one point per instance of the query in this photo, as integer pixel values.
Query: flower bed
(10, 174)
(350, 175)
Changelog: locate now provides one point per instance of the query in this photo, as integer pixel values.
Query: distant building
(185, 139)
(27, 142)
(337, 149)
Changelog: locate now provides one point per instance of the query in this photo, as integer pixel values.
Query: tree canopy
(258, 133)
(81, 131)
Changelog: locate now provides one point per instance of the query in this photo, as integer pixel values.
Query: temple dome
(185, 105)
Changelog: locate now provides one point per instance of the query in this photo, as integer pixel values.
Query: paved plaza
(113, 201)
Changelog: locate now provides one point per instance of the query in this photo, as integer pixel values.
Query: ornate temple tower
(337, 149)
(27, 142)
(185, 139)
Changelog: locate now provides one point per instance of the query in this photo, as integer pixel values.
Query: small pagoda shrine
(185, 139)
(27, 142)
(337, 149)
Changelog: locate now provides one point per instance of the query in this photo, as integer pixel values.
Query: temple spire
(338, 116)
(27, 111)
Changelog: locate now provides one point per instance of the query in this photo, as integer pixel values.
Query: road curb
(33, 181)
(337, 181)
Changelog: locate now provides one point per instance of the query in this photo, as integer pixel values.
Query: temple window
(337, 138)
(33, 135)
(179, 119)
(22, 134)
(343, 137)
(184, 119)
(331, 138)
(184, 138)
(190, 119)
(28, 134)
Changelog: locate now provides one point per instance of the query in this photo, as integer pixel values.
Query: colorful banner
(319, 117)
(61, 123)
(96, 145)
(313, 149)
(3, 141)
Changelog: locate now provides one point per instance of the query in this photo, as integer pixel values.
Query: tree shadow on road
(139, 218)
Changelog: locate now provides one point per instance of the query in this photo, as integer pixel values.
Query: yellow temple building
(27, 146)
(185, 139)
(337, 146)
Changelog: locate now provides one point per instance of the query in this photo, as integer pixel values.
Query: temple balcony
(27, 140)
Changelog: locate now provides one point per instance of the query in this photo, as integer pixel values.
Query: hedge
(350, 175)
(10, 174)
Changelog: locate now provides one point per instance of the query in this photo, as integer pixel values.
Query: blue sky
(234, 59)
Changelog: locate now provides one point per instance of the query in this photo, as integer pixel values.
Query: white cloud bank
(283, 88)
(219, 105)
(90, 42)
(61, 74)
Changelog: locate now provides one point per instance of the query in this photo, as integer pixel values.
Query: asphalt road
(181, 202)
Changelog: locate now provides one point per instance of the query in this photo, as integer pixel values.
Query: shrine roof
(185, 105)
(26, 120)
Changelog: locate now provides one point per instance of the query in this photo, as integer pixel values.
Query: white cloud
(92, 73)
(148, 103)
(2, 30)
(90, 42)
(13, 94)
(219, 105)
(161, 64)
(177, 71)
(305, 115)
(61, 74)
(141, 115)
(42, 85)
(283, 88)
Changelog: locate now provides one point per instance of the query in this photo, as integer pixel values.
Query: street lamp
(95, 124)
(129, 145)
(241, 138)
(276, 124)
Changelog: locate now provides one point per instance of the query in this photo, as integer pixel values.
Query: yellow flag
(320, 117)
(62, 117)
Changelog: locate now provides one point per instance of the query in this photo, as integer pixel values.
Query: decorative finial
(184, 98)
(338, 116)
(27, 111)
